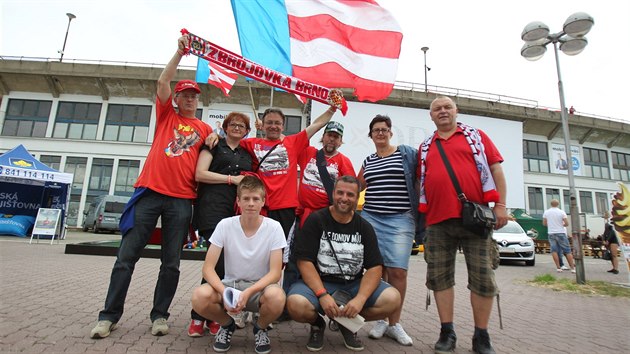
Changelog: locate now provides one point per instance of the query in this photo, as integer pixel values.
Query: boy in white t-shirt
(252, 247)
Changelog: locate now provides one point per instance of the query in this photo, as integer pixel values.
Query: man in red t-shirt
(445, 232)
(165, 188)
(312, 193)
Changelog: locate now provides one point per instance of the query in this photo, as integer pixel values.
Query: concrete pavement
(49, 302)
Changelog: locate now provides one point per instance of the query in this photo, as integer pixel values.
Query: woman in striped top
(391, 207)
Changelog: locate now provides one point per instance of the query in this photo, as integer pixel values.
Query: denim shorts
(395, 234)
(559, 242)
(300, 288)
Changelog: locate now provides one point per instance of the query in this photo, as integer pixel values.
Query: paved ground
(49, 302)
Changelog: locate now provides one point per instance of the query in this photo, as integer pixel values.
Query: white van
(103, 214)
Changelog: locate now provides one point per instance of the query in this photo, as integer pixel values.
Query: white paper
(353, 324)
(231, 296)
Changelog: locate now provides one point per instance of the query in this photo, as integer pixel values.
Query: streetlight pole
(424, 49)
(572, 42)
(70, 18)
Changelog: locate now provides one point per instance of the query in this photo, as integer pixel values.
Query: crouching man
(252, 247)
(333, 249)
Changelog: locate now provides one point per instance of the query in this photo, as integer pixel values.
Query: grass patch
(597, 287)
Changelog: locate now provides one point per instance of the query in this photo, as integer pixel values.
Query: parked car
(514, 244)
(103, 214)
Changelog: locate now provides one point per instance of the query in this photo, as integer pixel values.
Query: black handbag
(476, 217)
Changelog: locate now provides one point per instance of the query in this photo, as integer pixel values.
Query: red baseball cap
(185, 85)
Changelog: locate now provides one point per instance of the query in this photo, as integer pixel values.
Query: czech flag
(333, 43)
(211, 73)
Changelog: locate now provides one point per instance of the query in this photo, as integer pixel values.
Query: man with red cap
(165, 188)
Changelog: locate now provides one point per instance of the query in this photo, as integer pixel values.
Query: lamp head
(424, 49)
(535, 31)
(572, 46)
(578, 24)
(70, 16)
(534, 50)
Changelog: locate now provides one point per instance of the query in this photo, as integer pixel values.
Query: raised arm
(320, 122)
(164, 81)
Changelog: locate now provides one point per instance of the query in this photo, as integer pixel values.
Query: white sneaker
(559, 270)
(398, 333)
(573, 270)
(378, 330)
(564, 267)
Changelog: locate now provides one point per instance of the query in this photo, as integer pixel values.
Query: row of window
(596, 162)
(79, 120)
(587, 205)
(100, 179)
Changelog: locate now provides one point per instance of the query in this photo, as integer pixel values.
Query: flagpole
(251, 97)
(271, 99)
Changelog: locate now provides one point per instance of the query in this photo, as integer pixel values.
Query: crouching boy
(252, 247)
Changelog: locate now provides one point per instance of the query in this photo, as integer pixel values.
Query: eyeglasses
(235, 125)
(380, 131)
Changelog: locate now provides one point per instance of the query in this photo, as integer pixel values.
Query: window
(566, 194)
(536, 205)
(77, 120)
(199, 113)
(128, 171)
(586, 202)
(535, 156)
(596, 163)
(127, 123)
(552, 193)
(27, 118)
(101, 176)
(621, 166)
(601, 202)
(51, 161)
(76, 166)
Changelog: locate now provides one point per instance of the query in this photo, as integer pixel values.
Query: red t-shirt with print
(170, 166)
(312, 194)
(279, 170)
(441, 197)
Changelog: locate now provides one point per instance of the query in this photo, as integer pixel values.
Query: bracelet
(321, 292)
(499, 204)
(229, 180)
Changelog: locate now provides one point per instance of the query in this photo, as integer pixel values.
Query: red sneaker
(195, 329)
(213, 327)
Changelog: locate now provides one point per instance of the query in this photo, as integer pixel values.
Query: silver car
(514, 244)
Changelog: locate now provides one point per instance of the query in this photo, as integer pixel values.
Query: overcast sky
(473, 45)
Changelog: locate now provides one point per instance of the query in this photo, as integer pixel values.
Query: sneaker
(160, 327)
(350, 339)
(564, 267)
(398, 333)
(102, 329)
(223, 340)
(378, 330)
(482, 345)
(573, 270)
(615, 271)
(316, 338)
(559, 270)
(213, 327)
(239, 319)
(446, 343)
(262, 344)
(195, 329)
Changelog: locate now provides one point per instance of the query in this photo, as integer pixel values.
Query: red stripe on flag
(222, 78)
(336, 76)
(372, 42)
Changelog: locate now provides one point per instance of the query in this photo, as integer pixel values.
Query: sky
(473, 45)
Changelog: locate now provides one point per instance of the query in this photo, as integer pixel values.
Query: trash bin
(529, 222)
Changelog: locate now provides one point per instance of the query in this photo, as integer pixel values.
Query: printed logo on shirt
(349, 250)
(312, 180)
(277, 163)
(185, 137)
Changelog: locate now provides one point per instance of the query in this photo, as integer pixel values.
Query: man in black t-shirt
(333, 249)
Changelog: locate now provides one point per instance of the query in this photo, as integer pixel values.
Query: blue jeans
(176, 214)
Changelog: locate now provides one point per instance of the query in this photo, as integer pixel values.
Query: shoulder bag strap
(451, 173)
(324, 175)
(264, 157)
